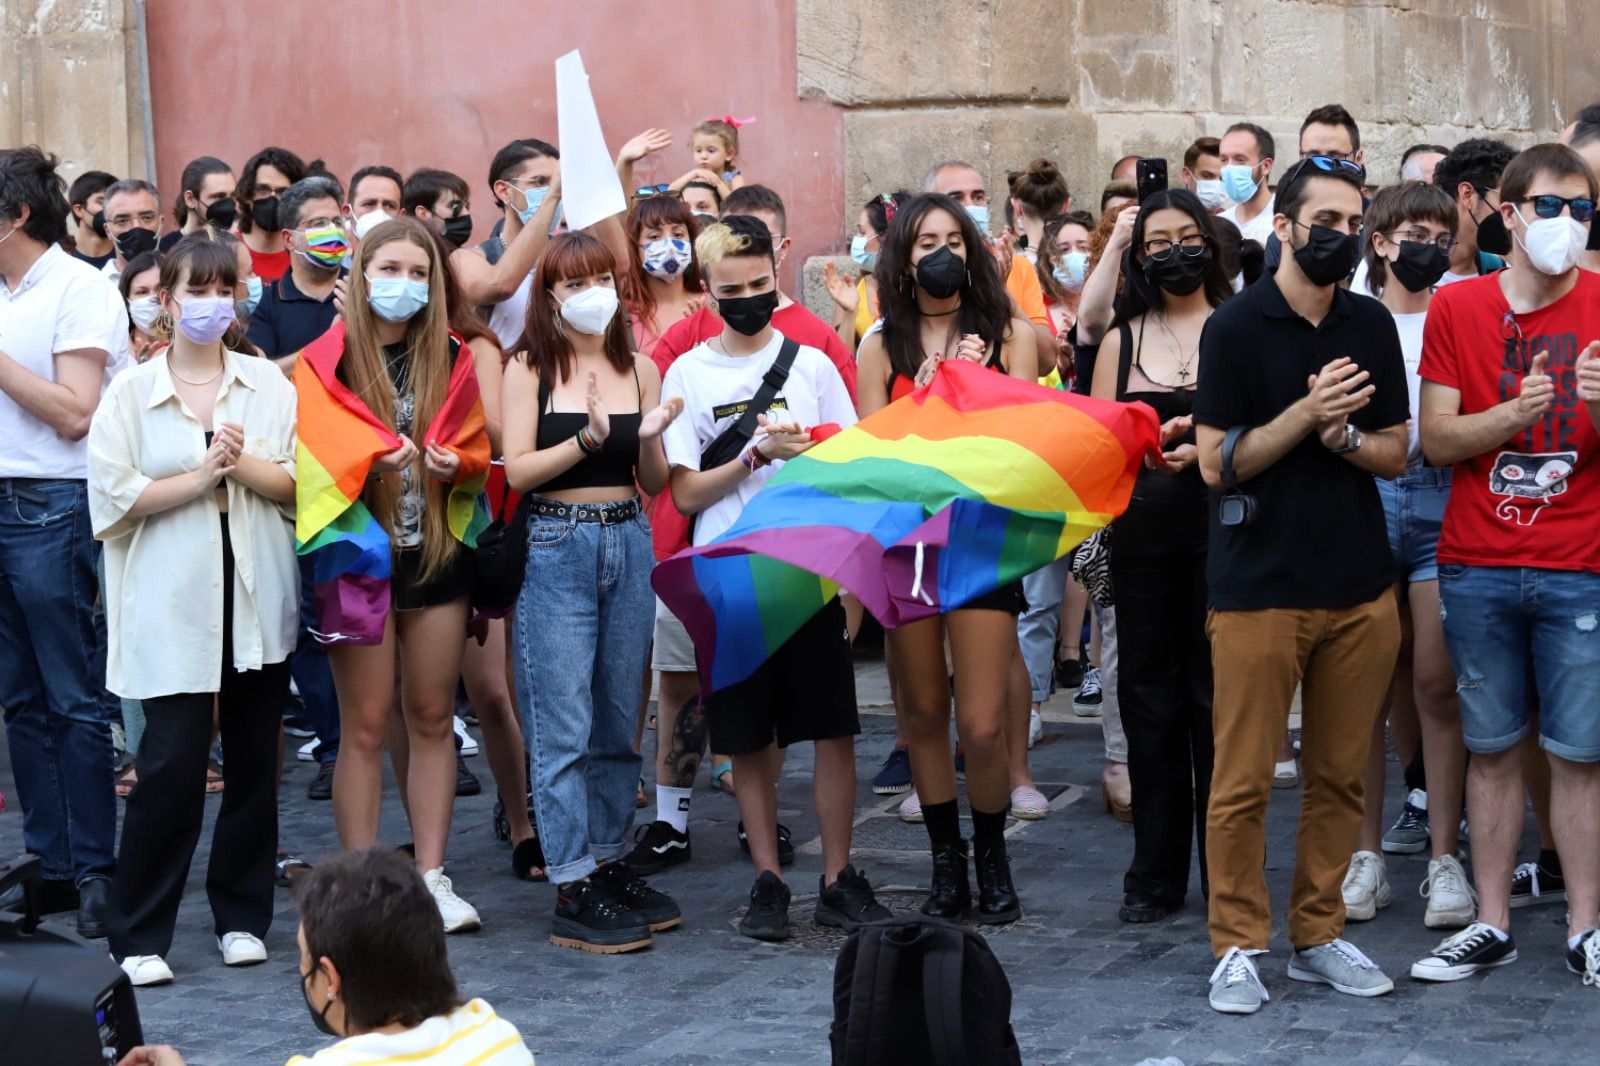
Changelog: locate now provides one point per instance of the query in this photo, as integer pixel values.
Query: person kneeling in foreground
(375, 972)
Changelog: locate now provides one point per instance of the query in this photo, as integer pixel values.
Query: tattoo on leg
(687, 745)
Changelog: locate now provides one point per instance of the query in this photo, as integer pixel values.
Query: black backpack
(918, 991)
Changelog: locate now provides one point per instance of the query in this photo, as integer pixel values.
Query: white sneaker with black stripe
(1477, 947)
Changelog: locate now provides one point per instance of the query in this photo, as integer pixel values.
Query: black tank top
(1154, 487)
(611, 467)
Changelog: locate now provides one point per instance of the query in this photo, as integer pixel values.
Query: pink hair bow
(730, 120)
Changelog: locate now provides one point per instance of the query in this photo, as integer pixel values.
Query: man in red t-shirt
(665, 841)
(1511, 397)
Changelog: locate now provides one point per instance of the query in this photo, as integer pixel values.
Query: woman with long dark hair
(942, 297)
(583, 423)
(1174, 279)
(662, 284)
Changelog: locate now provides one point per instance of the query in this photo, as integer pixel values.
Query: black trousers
(162, 823)
(1158, 571)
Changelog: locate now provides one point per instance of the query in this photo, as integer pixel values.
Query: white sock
(672, 806)
(1500, 934)
(1572, 941)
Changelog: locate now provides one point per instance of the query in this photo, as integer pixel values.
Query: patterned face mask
(327, 246)
(667, 257)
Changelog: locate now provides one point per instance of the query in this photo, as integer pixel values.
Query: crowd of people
(252, 464)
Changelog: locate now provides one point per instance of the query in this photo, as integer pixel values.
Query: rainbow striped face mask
(326, 246)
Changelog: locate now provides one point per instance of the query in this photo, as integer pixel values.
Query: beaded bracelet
(586, 442)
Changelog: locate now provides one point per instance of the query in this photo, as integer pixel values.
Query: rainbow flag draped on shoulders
(347, 550)
(968, 484)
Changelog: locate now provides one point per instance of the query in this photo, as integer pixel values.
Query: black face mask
(748, 314)
(1328, 256)
(318, 1018)
(1178, 273)
(457, 230)
(135, 242)
(223, 213)
(97, 222)
(1420, 266)
(941, 273)
(1492, 235)
(264, 213)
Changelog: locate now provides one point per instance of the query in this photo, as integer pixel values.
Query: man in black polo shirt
(298, 308)
(1306, 383)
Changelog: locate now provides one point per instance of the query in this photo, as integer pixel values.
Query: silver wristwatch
(1352, 440)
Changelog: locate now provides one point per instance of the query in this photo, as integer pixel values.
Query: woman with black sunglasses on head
(1174, 280)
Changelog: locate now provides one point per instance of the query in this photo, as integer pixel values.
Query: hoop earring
(164, 323)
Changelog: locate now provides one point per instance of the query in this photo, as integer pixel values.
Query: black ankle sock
(943, 821)
(988, 830)
(1549, 861)
(1416, 774)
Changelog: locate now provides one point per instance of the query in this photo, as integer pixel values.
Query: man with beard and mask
(1247, 153)
(1511, 398)
(266, 176)
(374, 198)
(87, 198)
(1470, 173)
(1301, 401)
(299, 307)
(1202, 173)
(440, 200)
(133, 221)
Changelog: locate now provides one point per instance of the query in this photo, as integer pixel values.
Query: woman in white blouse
(191, 488)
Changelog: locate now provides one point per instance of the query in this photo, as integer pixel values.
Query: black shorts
(805, 691)
(410, 593)
(1007, 598)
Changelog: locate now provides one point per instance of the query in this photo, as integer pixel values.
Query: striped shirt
(473, 1035)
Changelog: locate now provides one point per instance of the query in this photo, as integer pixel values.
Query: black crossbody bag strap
(1230, 442)
(730, 442)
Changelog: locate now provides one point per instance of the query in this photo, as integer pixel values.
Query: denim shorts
(1413, 509)
(1521, 638)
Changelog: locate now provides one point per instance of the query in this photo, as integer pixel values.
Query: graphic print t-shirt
(1535, 499)
(716, 389)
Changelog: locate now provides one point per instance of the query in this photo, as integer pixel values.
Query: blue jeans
(308, 665)
(1510, 628)
(582, 639)
(1037, 626)
(1413, 510)
(52, 678)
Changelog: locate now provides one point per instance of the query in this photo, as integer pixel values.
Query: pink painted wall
(411, 83)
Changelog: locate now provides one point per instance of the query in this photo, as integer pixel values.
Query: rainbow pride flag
(967, 484)
(346, 549)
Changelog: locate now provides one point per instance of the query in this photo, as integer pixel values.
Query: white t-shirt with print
(1410, 329)
(716, 388)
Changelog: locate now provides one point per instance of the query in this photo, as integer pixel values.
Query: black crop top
(611, 467)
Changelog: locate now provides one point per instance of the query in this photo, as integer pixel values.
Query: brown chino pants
(1343, 660)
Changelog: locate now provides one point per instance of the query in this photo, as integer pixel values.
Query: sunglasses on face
(1550, 205)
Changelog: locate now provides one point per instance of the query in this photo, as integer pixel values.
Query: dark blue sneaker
(895, 777)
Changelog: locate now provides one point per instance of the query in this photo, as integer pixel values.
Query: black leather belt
(607, 514)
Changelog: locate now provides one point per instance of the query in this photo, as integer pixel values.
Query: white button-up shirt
(61, 304)
(164, 571)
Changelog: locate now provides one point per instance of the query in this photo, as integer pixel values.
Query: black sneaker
(657, 846)
(895, 777)
(1532, 884)
(1069, 674)
(657, 908)
(466, 783)
(1475, 948)
(321, 787)
(1584, 959)
(785, 844)
(590, 918)
(848, 902)
(1409, 834)
(767, 917)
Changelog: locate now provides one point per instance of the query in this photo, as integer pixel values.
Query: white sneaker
(1035, 727)
(458, 915)
(1236, 987)
(1452, 904)
(911, 808)
(1285, 774)
(1028, 804)
(241, 949)
(1366, 887)
(146, 970)
(305, 754)
(468, 745)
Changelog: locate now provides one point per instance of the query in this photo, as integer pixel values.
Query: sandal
(127, 780)
(527, 861)
(718, 772)
(287, 866)
(214, 782)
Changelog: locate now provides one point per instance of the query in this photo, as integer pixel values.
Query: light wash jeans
(582, 639)
(1110, 710)
(1038, 625)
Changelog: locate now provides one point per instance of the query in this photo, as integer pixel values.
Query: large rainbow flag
(967, 484)
(346, 548)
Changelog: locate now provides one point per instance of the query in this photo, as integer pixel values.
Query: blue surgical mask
(396, 299)
(980, 215)
(1239, 182)
(252, 297)
(858, 251)
(534, 199)
(1072, 270)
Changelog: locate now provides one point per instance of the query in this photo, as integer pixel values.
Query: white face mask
(591, 310)
(144, 310)
(365, 223)
(1210, 192)
(1553, 244)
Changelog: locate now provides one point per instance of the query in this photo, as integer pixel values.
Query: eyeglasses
(652, 190)
(147, 219)
(1333, 163)
(1341, 156)
(1549, 206)
(1445, 243)
(1160, 248)
(337, 222)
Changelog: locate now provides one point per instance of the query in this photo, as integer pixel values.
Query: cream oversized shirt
(164, 571)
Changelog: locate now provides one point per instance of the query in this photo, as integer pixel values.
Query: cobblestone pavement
(1087, 988)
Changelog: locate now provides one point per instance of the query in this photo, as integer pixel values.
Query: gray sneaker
(1236, 988)
(1341, 965)
(1409, 834)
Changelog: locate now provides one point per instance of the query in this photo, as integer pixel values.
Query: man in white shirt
(1247, 159)
(133, 221)
(59, 324)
